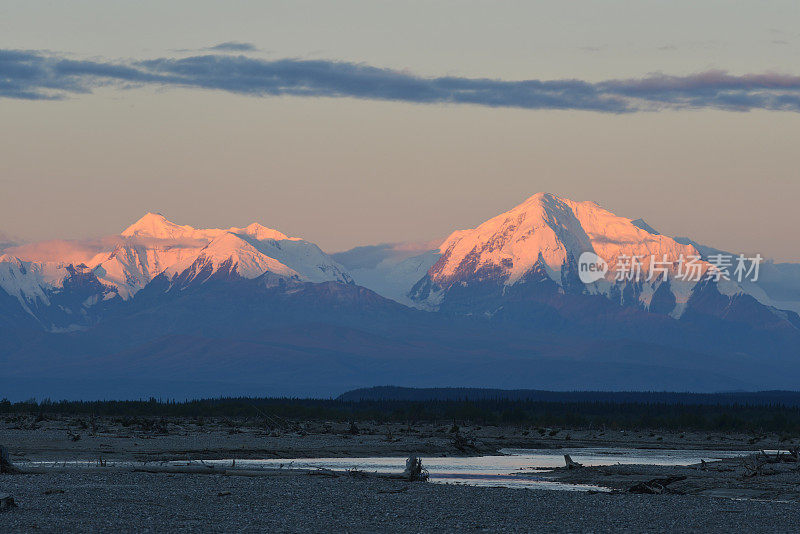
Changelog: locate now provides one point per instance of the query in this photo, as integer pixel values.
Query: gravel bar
(117, 501)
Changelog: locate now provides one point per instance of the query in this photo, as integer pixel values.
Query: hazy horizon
(95, 239)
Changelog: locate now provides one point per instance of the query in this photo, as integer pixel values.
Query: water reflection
(516, 468)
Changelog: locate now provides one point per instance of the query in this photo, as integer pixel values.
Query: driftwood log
(571, 464)
(6, 502)
(5, 462)
(657, 486)
(764, 464)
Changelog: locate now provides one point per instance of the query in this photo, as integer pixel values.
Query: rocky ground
(142, 502)
(758, 494)
(759, 476)
(136, 438)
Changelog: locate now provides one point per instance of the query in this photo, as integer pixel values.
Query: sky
(351, 123)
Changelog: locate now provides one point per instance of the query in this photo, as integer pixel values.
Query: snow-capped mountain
(28, 282)
(501, 304)
(541, 239)
(153, 246)
(256, 248)
(58, 297)
(549, 229)
(778, 284)
(226, 256)
(537, 242)
(546, 235)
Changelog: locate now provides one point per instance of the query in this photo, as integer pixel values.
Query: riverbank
(718, 497)
(116, 501)
(760, 476)
(56, 438)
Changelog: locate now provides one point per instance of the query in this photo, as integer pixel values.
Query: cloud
(370, 256)
(34, 75)
(234, 46)
(7, 241)
(77, 251)
(58, 250)
(712, 89)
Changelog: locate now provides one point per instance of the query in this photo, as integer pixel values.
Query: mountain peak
(509, 244)
(541, 198)
(232, 253)
(546, 226)
(228, 243)
(261, 232)
(155, 225)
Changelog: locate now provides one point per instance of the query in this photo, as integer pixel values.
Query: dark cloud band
(234, 46)
(34, 75)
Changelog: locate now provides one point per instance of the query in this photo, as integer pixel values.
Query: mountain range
(174, 311)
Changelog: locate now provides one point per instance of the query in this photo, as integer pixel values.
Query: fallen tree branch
(656, 486)
(6, 466)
